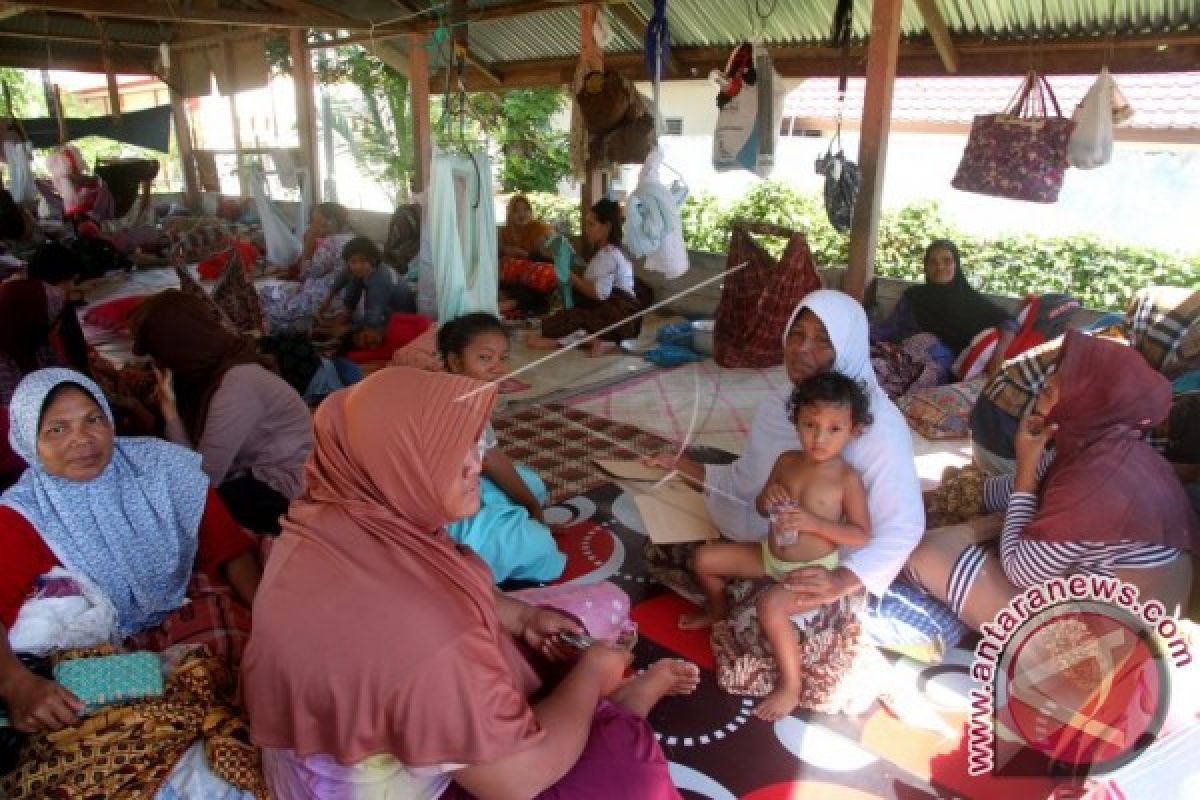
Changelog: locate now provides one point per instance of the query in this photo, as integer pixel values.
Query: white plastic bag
(1090, 145)
(283, 246)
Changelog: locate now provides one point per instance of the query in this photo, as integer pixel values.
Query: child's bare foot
(601, 347)
(667, 676)
(696, 622)
(536, 342)
(778, 704)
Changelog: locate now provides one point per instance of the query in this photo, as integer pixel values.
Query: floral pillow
(941, 412)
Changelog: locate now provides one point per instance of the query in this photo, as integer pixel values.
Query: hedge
(1103, 274)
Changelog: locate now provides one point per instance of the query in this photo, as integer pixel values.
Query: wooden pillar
(882, 50)
(418, 82)
(231, 73)
(306, 112)
(183, 137)
(589, 51)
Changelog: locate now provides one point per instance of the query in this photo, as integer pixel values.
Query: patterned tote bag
(1020, 153)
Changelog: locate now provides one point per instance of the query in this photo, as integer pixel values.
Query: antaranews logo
(1076, 671)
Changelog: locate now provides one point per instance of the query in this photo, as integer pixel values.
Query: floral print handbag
(1020, 153)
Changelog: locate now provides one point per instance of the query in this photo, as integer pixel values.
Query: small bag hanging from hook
(842, 176)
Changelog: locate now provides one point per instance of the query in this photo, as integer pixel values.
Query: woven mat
(559, 443)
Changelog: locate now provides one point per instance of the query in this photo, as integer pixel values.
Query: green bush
(552, 207)
(1100, 273)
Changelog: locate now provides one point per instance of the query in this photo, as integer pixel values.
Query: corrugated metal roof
(722, 23)
(1159, 101)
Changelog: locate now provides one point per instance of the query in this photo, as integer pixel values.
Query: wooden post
(589, 51)
(183, 136)
(418, 82)
(882, 51)
(231, 73)
(306, 114)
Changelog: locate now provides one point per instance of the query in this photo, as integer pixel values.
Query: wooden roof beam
(143, 10)
(1143, 53)
(10, 10)
(74, 39)
(315, 13)
(940, 34)
(77, 63)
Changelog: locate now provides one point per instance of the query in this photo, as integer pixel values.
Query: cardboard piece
(630, 470)
(673, 512)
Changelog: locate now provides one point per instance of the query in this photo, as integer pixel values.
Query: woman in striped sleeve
(1089, 494)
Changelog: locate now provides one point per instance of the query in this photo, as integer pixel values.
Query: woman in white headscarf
(828, 330)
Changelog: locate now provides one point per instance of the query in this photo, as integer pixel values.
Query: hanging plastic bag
(842, 179)
(1090, 145)
(748, 119)
(283, 246)
(652, 224)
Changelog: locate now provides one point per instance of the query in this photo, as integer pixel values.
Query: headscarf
(132, 529)
(954, 312)
(529, 237)
(179, 331)
(1106, 484)
(373, 631)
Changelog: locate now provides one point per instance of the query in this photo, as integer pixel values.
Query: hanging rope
(658, 52)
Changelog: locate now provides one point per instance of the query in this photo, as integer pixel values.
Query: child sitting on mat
(816, 503)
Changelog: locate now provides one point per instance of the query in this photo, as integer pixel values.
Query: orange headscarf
(529, 237)
(373, 632)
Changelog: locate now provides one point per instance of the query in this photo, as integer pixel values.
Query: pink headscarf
(1106, 483)
(373, 632)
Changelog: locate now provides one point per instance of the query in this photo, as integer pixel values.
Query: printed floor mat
(718, 751)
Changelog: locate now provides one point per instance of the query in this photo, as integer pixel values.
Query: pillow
(401, 330)
(114, 314)
(941, 412)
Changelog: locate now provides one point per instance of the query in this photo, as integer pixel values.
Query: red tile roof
(1160, 101)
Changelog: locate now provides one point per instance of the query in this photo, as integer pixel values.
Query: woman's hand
(36, 705)
(541, 630)
(607, 664)
(817, 586)
(164, 390)
(1033, 434)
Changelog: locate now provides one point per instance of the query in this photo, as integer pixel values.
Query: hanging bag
(758, 299)
(1091, 142)
(1020, 153)
(842, 179)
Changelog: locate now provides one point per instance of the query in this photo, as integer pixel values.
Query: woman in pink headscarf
(383, 661)
(1099, 501)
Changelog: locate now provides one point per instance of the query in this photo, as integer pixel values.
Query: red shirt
(26, 556)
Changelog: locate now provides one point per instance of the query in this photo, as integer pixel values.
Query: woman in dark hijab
(947, 306)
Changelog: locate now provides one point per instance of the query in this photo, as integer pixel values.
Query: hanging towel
(19, 158)
(462, 235)
(652, 225)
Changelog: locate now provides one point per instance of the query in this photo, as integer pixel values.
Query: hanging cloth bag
(1020, 153)
(757, 299)
(1090, 145)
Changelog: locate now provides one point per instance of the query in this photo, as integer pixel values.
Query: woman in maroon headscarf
(1100, 501)
(384, 663)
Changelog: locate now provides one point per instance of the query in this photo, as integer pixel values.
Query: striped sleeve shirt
(1028, 562)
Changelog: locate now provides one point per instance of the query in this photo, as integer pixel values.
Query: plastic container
(702, 336)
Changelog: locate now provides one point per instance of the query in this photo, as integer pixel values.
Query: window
(673, 126)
